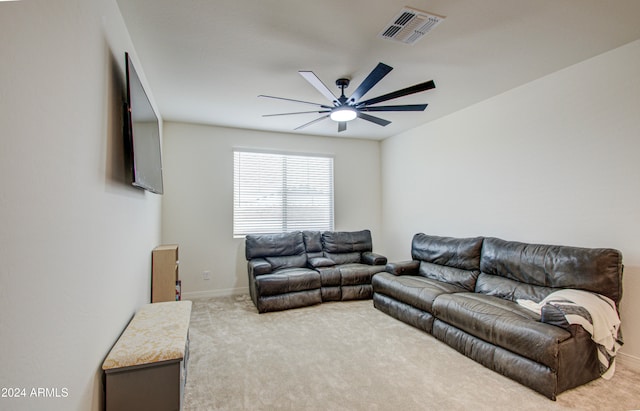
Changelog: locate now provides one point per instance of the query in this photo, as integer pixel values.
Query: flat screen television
(142, 136)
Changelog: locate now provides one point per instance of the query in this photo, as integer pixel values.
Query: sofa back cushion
(508, 289)
(451, 260)
(280, 250)
(344, 258)
(345, 247)
(313, 243)
(462, 278)
(462, 253)
(598, 270)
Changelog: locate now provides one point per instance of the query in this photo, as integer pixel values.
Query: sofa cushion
(287, 280)
(463, 253)
(312, 243)
(344, 258)
(274, 245)
(463, 278)
(510, 289)
(337, 242)
(598, 270)
(355, 274)
(417, 291)
(287, 261)
(503, 323)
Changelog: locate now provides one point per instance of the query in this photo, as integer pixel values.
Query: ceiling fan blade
(379, 121)
(427, 85)
(298, 112)
(318, 84)
(296, 101)
(406, 107)
(342, 126)
(372, 79)
(311, 122)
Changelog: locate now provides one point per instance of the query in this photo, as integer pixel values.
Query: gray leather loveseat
(298, 269)
(465, 292)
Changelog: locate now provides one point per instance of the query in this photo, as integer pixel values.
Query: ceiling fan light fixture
(345, 108)
(343, 113)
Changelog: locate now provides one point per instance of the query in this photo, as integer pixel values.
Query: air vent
(410, 25)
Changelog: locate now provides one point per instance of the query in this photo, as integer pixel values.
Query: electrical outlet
(206, 275)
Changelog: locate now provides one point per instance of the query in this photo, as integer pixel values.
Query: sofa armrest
(317, 262)
(373, 259)
(403, 267)
(259, 266)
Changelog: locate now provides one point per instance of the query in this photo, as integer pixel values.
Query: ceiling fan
(344, 109)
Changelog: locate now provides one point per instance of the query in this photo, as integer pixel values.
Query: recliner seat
(278, 274)
(298, 269)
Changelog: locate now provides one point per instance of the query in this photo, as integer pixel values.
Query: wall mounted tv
(141, 136)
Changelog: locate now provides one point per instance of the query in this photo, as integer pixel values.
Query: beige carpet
(350, 356)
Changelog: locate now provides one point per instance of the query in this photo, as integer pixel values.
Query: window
(276, 193)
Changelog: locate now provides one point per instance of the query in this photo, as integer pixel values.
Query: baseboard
(226, 292)
(628, 361)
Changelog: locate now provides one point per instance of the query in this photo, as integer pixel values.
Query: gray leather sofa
(298, 269)
(464, 292)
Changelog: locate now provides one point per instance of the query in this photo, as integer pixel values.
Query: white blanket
(604, 324)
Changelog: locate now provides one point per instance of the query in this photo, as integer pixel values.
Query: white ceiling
(206, 61)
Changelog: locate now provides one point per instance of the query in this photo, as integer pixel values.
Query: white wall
(75, 240)
(198, 202)
(554, 161)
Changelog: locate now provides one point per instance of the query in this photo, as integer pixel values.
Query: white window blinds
(276, 193)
